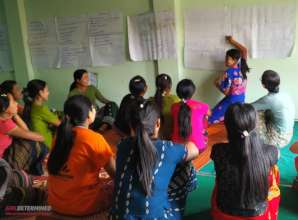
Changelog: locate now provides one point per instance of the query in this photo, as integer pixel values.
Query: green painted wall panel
(4, 75)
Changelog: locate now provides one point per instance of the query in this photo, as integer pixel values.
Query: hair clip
(165, 77)
(137, 80)
(29, 99)
(239, 61)
(142, 105)
(3, 95)
(245, 134)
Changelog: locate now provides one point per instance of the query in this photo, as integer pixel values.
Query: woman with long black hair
(77, 157)
(36, 113)
(164, 100)
(145, 165)
(232, 83)
(245, 170)
(190, 116)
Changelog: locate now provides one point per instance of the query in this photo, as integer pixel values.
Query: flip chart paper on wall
(73, 56)
(42, 32)
(5, 55)
(275, 31)
(72, 35)
(72, 30)
(268, 31)
(42, 39)
(204, 38)
(106, 41)
(43, 56)
(151, 36)
(166, 32)
(75, 41)
(244, 28)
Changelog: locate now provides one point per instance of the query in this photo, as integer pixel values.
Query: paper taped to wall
(77, 41)
(152, 36)
(106, 38)
(268, 31)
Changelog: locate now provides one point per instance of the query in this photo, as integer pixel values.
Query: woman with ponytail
(146, 165)
(233, 82)
(105, 115)
(137, 89)
(121, 127)
(190, 117)
(246, 173)
(164, 100)
(77, 157)
(37, 114)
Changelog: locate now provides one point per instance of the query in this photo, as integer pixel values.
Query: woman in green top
(105, 116)
(36, 114)
(164, 99)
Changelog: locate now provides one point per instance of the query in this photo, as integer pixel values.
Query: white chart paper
(204, 38)
(73, 56)
(72, 30)
(72, 35)
(106, 38)
(268, 31)
(275, 31)
(151, 36)
(42, 39)
(42, 32)
(44, 57)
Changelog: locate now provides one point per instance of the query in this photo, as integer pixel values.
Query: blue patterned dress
(235, 84)
(169, 189)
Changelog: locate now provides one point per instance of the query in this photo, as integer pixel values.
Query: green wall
(4, 75)
(113, 80)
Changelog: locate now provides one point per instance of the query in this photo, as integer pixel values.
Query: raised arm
(239, 46)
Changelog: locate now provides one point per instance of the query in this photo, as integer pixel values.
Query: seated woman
(77, 157)
(164, 100)
(137, 89)
(276, 112)
(121, 127)
(190, 117)
(146, 165)
(19, 146)
(37, 114)
(106, 115)
(11, 86)
(246, 172)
